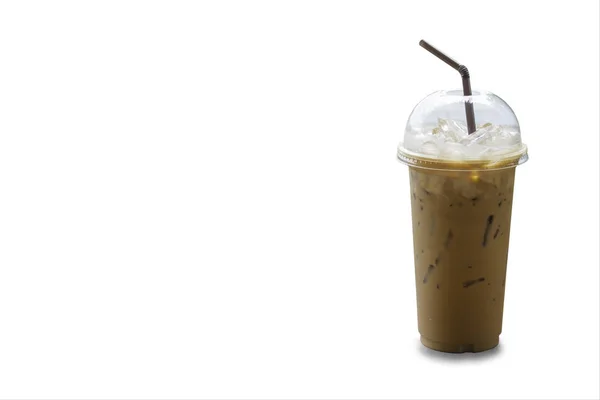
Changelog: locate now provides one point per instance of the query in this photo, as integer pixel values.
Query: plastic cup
(461, 189)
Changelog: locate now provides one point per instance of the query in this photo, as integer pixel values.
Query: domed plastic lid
(436, 134)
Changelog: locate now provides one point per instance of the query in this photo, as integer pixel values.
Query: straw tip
(422, 43)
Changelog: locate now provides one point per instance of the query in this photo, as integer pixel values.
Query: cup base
(460, 348)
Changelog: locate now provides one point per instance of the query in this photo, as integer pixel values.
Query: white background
(202, 199)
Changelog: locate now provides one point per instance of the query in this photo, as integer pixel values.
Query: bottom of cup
(460, 348)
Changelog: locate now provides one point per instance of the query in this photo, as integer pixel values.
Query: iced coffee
(462, 148)
(461, 229)
(461, 189)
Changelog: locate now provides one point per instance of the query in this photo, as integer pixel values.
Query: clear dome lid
(436, 134)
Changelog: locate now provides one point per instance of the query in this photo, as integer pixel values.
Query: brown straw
(466, 81)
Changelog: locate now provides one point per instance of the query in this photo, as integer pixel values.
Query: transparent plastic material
(436, 134)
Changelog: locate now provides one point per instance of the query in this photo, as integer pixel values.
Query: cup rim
(510, 160)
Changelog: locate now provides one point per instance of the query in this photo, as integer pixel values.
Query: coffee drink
(461, 229)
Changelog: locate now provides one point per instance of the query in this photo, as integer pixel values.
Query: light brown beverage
(461, 228)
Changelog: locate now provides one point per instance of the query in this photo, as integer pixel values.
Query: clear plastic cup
(461, 188)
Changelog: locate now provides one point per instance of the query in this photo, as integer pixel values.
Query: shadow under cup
(461, 230)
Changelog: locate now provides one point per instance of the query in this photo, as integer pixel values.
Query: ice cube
(481, 135)
(502, 139)
(476, 151)
(452, 151)
(449, 130)
(429, 148)
(451, 125)
(433, 183)
(450, 140)
(414, 142)
(493, 136)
